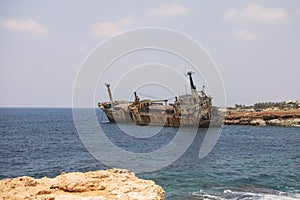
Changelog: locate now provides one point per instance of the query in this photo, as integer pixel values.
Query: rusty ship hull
(187, 110)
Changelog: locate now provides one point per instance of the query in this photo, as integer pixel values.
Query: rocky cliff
(263, 118)
(98, 185)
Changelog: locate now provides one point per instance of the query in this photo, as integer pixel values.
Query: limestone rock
(97, 185)
(274, 122)
(289, 117)
(259, 122)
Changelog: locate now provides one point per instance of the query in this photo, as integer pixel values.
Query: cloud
(218, 36)
(27, 25)
(256, 12)
(171, 10)
(232, 13)
(245, 34)
(110, 28)
(106, 29)
(80, 48)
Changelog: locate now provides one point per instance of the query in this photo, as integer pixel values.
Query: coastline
(268, 117)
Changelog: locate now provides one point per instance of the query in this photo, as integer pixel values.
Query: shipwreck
(193, 109)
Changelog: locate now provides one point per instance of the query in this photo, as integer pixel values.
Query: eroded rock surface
(97, 185)
(264, 118)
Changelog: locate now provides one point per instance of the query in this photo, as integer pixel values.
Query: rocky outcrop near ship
(97, 185)
(289, 117)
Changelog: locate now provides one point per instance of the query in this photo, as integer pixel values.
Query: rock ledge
(263, 118)
(97, 185)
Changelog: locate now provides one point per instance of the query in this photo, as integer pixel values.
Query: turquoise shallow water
(246, 163)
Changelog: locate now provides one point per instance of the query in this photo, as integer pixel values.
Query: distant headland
(285, 113)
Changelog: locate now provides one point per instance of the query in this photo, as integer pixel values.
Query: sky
(255, 44)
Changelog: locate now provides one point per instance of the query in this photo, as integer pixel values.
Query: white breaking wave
(239, 195)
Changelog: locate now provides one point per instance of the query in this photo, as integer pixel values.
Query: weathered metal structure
(187, 110)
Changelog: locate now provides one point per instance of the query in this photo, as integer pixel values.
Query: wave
(246, 194)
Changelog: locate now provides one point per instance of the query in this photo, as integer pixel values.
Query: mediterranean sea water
(246, 163)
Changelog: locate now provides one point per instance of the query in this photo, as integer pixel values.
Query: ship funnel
(193, 87)
(189, 73)
(110, 95)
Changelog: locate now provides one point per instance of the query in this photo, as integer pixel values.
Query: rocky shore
(97, 185)
(289, 117)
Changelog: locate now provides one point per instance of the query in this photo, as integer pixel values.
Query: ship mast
(110, 95)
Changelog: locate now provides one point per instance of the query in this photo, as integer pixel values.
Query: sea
(247, 162)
